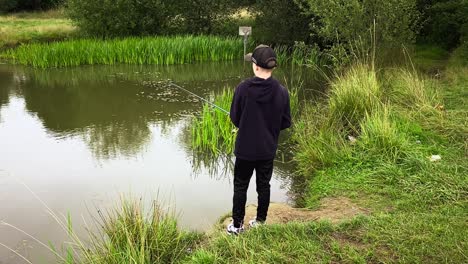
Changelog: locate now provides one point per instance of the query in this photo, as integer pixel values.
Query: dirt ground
(334, 210)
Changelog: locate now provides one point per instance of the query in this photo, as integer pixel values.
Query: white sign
(245, 31)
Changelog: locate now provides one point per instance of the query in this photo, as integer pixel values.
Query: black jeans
(243, 170)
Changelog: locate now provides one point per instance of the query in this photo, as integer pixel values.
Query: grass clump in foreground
(130, 234)
(20, 28)
(145, 50)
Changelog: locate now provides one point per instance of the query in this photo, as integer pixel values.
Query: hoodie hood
(260, 89)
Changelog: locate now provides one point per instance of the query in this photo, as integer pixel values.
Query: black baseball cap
(263, 56)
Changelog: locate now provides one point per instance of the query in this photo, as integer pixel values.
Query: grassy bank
(397, 120)
(370, 139)
(146, 50)
(21, 28)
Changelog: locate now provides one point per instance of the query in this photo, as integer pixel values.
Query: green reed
(213, 131)
(146, 50)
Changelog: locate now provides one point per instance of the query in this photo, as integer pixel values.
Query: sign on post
(246, 32)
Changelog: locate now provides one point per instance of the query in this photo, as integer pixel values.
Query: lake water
(81, 137)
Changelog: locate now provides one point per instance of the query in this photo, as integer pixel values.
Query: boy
(260, 109)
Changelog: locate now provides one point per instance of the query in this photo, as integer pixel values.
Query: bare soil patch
(334, 209)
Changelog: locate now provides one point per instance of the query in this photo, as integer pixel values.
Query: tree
(201, 16)
(344, 21)
(122, 17)
(281, 22)
(445, 22)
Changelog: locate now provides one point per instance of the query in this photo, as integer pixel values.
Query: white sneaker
(231, 230)
(254, 223)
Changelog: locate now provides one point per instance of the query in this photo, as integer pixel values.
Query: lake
(77, 139)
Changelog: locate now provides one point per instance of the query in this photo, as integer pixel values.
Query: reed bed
(147, 50)
(213, 131)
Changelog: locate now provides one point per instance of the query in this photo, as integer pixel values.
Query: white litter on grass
(435, 158)
(352, 139)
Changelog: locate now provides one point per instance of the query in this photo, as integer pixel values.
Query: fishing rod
(199, 97)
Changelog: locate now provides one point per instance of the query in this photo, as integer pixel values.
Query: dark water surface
(80, 137)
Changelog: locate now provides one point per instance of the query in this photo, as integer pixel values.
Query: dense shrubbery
(342, 22)
(281, 22)
(20, 5)
(149, 17)
(122, 18)
(445, 22)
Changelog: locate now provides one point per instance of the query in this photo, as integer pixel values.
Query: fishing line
(199, 97)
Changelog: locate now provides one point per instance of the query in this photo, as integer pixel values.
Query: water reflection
(5, 86)
(111, 108)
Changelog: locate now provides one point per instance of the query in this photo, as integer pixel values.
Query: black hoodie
(260, 109)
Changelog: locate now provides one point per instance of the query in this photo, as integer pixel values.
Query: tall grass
(213, 130)
(408, 89)
(382, 136)
(361, 111)
(147, 50)
(353, 95)
(130, 234)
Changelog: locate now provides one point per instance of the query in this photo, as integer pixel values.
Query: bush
(446, 22)
(122, 18)
(343, 22)
(8, 5)
(205, 17)
(22, 5)
(280, 22)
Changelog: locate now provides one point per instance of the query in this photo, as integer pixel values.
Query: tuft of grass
(381, 135)
(131, 235)
(408, 89)
(353, 95)
(146, 50)
(318, 143)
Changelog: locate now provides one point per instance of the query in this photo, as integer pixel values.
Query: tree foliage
(22, 5)
(203, 16)
(122, 17)
(150, 17)
(343, 21)
(445, 22)
(281, 21)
